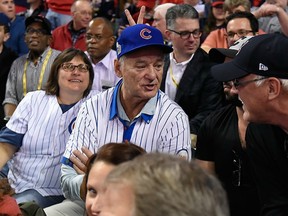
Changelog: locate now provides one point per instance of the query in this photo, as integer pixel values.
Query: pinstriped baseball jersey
(46, 131)
(167, 131)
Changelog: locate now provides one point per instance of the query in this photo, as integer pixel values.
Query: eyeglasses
(240, 33)
(237, 83)
(69, 67)
(186, 34)
(39, 32)
(96, 37)
(237, 168)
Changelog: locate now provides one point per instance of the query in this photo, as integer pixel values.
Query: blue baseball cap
(264, 55)
(4, 20)
(140, 36)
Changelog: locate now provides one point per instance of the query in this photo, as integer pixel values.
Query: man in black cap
(221, 146)
(7, 56)
(30, 72)
(259, 74)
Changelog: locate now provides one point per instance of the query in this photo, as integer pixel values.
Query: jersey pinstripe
(168, 131)
(45, 127)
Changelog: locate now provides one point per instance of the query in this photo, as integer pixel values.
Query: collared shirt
(41, 130)
(174, 75)
(98, 123)
(104, 73)
(14, 86)
(75, 34)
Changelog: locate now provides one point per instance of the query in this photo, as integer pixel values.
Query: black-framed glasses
(240, 33)
(236, 83)
(236, 169)
(186, 34)
(69, 67)
(39, 32)
(96, 37)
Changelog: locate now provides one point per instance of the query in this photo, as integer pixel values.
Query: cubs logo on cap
(140, 36)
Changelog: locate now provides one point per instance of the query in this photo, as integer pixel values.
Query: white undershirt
(174, 75)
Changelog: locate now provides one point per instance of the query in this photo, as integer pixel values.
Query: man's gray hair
(167, 185)
(180, 11)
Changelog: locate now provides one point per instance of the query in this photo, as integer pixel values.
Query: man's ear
(117, 67)
(6, 36)
(168, 34)
(274, 87)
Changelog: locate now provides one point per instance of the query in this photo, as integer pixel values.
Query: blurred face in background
(99, 39)
(236, 29)
(8, 8)
(82, 14)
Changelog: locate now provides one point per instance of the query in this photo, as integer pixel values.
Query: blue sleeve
(11, 137)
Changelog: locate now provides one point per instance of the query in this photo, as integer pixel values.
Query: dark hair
(180, 11)
(111, 153)
(52, 86)
(244, 14)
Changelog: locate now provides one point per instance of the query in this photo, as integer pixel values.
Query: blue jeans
(33, 195)
(57, 19)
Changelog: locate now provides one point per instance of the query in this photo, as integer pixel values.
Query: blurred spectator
(149, 10)
(7, 56)
(104, 9)
(273, 16)
(215, 19)
(161, 185)
(159, 20)
(21, 6)
(123, 22)
(8, 205)
(72, 34)
(99, 42)
(17, 28)
(36, 8)
(217, 38)
(30, 72)
(59, 12)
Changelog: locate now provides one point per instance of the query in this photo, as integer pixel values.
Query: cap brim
(218, 54)
(214, 4)
(227, 72)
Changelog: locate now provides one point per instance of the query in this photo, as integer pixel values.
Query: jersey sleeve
(10, 94)
(83, 134)
(19, 120)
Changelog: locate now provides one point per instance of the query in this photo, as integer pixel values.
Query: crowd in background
(147, 76)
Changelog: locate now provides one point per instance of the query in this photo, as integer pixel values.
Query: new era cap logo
(263, 67)
(145, 34)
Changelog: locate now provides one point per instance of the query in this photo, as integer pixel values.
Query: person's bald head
(159, 17)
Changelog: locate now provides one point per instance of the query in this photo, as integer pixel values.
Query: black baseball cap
(218, 55)
(264, 55)
(42, 20)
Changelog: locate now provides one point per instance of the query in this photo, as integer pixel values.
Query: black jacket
(198, 93)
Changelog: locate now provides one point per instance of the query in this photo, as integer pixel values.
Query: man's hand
(140, 17)
(80, 159)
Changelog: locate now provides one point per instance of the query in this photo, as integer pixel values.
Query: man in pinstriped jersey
(134, 110)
